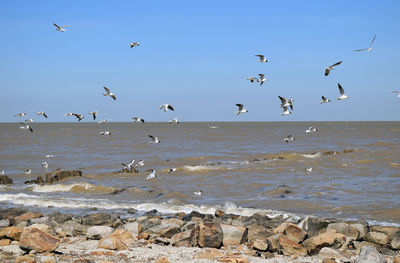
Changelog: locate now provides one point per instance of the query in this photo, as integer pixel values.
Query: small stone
(5, 242)
(25, 259)
(369, 255)
(162, 260)
(98, 232)
(377, 238)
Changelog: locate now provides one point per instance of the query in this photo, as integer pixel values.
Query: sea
(241, 167)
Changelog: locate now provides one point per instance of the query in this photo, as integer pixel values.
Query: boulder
(98, 232)
(362, 230)
(377, 238)
(35, 239)
(288, 247)
(113, 243)
(72, 228)
(210, 235)
(98, 219)
(313, 225)
(292, 231)
(40, 220)
(390, 231)
(262, 220)
(45, 228)
(4, 223)
(167, 228)
(60, 218)
(350, 232)
(10, 213)
(149, 222)
(395, 244)
(369, 255)
(260, 245)
(187, 238)
(327, 239)
(331, 253)
(12, 232)
(273, 244)
(4, 179)
(60, 175)
(234, 235)
(134, 227)
(258, 232)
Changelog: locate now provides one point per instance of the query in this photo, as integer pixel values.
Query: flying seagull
(261, 79)
(21, 114)
(140, 163)
(309, 169)
(311, 130)
(262, 58)
(369, 48)
(286, 102)
(49, 156)
(94, 114)
(28, 171)
(45, 165)
(134, 44)
(328, 69)
(105, 133)
(153, 139)
(152, 175)
(285, 111)
(109, 93)
(342, 95)
(324, 100)
(288, 139)
(102, 121)
(174, 120)
(165, 107)
(396, 92)
(42, 113)
(78, 116)
(137, 119)
(129, 165)
(26, 126)
(241, 109)
(198, 193)
(29, 120)
(60, 28)
(252, 79)
(172, 170)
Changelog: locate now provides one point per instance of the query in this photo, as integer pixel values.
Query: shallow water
(243, 167)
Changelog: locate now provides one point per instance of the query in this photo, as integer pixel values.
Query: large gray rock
(234, 235)
(362, 229)
(4, 223)
(72, 228)
(258, 232)
(369, 255)
(98, 219)
(60, 218)
(98, 232)
(167, 228)
(134, 227)
(313, 225)
(187, 238)
(377, 238)
(350, 232)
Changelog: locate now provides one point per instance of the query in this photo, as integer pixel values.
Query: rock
(331, 253)
(210, 254)
(162, 260)
(219, 213)
(188, 226)
(233, 235)
(234, 259)
(98, 232)
(273, 244)
(359, 245)
(123, 235)
(12, 249)
(40, 220)
(258, 232)
(98, 219)
(396, 259)
(395, 244)
(377, 238)
(328, 260)
(5, 242)
(12, 232)
(25, 259)
(187, 238)
(113, 243)
(350, 232)
(39, 180)
(312, 225)
(4, 179)
(10, 213)
(327, 239)
(210, 235)
(60, 175)
(60, 218)
(260, 245)
(288, 247)
(49, 179)
(4, 223)
(167, 228)
(35, 239)
(369, 255)
(46, 259)
(294, 232)
(362, 230)
(265, 221)
(390, 231)
(153, 212)
(149, 223)
(72, 228)
(45, 228)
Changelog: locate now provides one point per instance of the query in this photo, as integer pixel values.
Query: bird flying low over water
(94, 114)
(174, 120)
(129, 165)
(342, 95)
(49, 156)
(134, 44)
(21, 114)
(167, 107)
(78, 116)
(109, 93)
(60, 28)
(262, 58)
(105, 133)
(324, 100)
(198, 193)
(369, 49)
(311, 130)
(137, 119)
(153, 139)
(288, 139)
(26, 126)
(241, 109)
(42, 113)
(261, 79)
(28, 171)
(328, 69)
(29, 120)
(45, 165)
(152, 175)
(252, 79)
(102, 121)
(140, 163)
(285, 111)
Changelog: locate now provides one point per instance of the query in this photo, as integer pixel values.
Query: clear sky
(196, 55)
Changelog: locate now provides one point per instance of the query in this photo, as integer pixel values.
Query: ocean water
(244, 168)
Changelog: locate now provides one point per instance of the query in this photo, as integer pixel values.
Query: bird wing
(372, 41)
(395, 91)
(362, 49)
(291, 106)
(44, 114)
(142, 120)
(107, 90)
(65, 26)
(152, 137)
(336, 64)
(240, 106)
(323, 98)
(163, 106)
(56, 26)
(261, 76)
(283, 100)
(170, 107)
(113, 96)
(260, 56)
(341, 90)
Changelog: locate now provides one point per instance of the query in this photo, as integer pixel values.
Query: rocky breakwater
(58, 176)
(27, 236)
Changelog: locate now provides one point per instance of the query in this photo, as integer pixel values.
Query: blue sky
(196, 55)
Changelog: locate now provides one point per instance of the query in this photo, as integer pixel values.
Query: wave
(81, 187)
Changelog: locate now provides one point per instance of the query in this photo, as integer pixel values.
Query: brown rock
(187, 238)
(144, 236)
(260, 245)
(396, 259)
(5, 242)
(350, 232)
(359, 245)
(210, 254)
(35, 239)
(124, 235)
(60, 175)
(210, 234)
(39, 180)
(328, 260)
(288, 247)
(234, 259)
(219, 213)
(273, 244)
(377, 238)
(113, 243)
(390, 231)
(233, 235)
(27, 216)
(102, 253)
(4, 179)
(294, 232)
(331, 253)
(327, 239)
(162, 260)
(258, 232)
(49, 179)
(25, 259)
(395, 244)
(12, 232)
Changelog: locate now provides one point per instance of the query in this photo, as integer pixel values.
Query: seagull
(252, 79)
(261, 79)
(328, 69)
(78, 116)
(103, 121)
(129, 165)
(60, 28)
(324, 100)
(28, 171)
(286, 102)
(21, 114)
(369, 49)
(165, 107)
(152, 175)
(134, 44)
(105, 133)
(45, 165)
(342, 95)
(241, 108)
(289, 138)
(26, 127)
(42, 113)
(285, 111)
(153, 139)
(309, 169)
(94, 113)
(262, 58)
(172, 170)
(49, 156)
(396, 92)
(198, 193)
(175, 120)
(140, 163)
(109, 93)
(311, 130)
(137, 119)
(29, 120)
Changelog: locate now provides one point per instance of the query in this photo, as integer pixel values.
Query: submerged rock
(4, 179)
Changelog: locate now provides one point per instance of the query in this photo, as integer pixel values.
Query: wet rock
(313, 225)
(135, 228)
(113, 243)
(258, 232)
(153, 212)
(39, 180)
(289, 247)
(35, 239)
(260, 245)
(369, 255)
(4, 223)
(27, 216)
(210, 235)
(12, 232)
(49, 179)
(395, 244)
(4, 179)
(328, 239)
(331, 253)
(61, 175)
(132, 211)
(97, 219)
(377, 238)
(233, 235)
(350, 232)
(60, 218)
(98, 232)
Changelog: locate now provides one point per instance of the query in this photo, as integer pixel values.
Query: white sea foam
(198, 168)
(312, 155)
(59, 187)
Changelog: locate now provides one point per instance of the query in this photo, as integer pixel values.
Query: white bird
(309, 169)
(49, 156)
(262, 58)
(288, 139)
(286, 102)
(172, 170)
(28, 171)
(369, 49)
(129, 165)
(165, 107)
(285, 111)
(241, 109)
(198, 193)
(137, 119)
(252, 79)
(140, 163)
(153, 139)
(42, 113)
(78, 116)
(2, 172)
(328, 69)
(134, 44)
(324, 100)
(174, 120)
(26, 127)
(152, 175)
(103, 121)
(261, 79)
(105, 133)
(109, 93)
(311, 130)
(29, 120)
(60, 28)
(396, 92)
(342, 95)
(21, 114)
(45, 165)
(94, 114)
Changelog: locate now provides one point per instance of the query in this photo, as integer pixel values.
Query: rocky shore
(27, 236)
